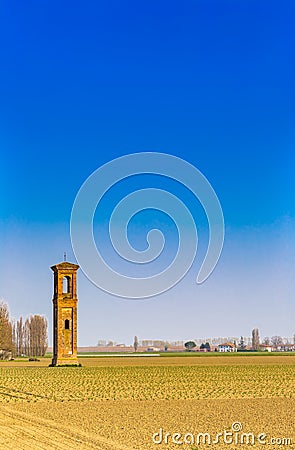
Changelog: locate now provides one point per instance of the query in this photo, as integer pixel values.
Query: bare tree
(26, 337)
(19, 337)
(135, 344)
(32, 336)
(29, 337)
(255, 339)
(242, 343)
(276, 341)
(13, 324)
(266, 341)
(38, 335)
(6, 339)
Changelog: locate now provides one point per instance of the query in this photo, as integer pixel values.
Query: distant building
(267, 347)
(286, 348)
(227, 347)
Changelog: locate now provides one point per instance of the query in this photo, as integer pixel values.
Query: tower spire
(65, 256)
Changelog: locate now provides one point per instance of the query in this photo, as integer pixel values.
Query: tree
(135, 344)
(276, 341)
(255, 339)
(242, 343)
(31, 337)
(6, 340)
(266, 341)
(205, 347)
(190, 345)
(19, 337)
(38, 335)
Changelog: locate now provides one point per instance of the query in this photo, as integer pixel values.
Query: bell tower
(65, 314)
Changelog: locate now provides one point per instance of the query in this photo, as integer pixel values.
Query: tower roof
(65, 265)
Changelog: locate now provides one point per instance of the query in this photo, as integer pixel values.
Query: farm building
(267, 347)
(286, 348)
(227, 347)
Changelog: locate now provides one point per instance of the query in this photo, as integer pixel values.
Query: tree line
(274, 341)
(27, 337)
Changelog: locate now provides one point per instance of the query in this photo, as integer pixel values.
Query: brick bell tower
(65, 314)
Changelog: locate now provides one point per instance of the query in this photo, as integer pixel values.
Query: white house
(267, 347)
(227, 347)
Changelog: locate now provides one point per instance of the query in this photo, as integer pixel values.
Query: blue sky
(211, 82)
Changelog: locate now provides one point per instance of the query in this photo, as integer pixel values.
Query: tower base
(65, 362)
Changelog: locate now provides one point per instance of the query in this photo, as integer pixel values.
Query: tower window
(66, 285)
(67, 324)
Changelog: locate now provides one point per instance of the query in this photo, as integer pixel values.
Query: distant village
(219, 344)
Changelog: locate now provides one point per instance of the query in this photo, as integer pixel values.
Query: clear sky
(212, 82)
